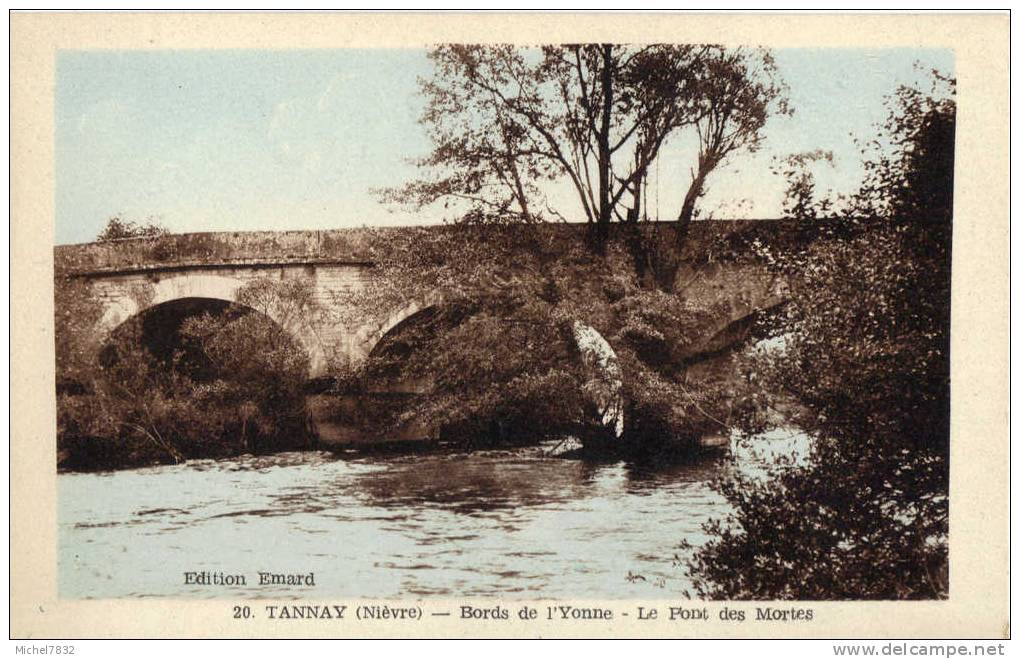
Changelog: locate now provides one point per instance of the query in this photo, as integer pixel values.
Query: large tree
(512, 125)
(524, 137)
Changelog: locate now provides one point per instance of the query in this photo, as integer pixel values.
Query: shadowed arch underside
(217, 291)
(160, 330)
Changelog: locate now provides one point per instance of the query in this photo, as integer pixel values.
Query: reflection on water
(491, 523)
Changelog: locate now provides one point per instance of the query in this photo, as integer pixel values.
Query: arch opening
(430, 362)
(597, 410)
(388, 360)
(289, 303)
(391, 379)
(219, 376)
(172, 333)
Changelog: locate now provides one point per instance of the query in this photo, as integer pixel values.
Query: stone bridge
(133, 276)
(137, 276)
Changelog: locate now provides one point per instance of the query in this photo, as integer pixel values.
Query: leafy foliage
(800, 201)
(863, 354)
(126, 406)
(498, 347)
(259, 369)
(118, 228)
(77, 312)
(510, 124)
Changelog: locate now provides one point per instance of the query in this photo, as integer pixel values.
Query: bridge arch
(369, 337)
(601, 366)
(167, 290)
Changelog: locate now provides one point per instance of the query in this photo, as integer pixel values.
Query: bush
(132, 408)
(863, 350)
(118, 228)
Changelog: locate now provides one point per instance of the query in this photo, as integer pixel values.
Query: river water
(490, 523)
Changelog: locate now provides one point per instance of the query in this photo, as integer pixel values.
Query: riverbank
(94, 454)
(566, 448)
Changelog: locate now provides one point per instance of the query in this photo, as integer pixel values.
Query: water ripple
(452, 524)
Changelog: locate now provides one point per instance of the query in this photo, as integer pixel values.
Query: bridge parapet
(251, 248)
(352, 245)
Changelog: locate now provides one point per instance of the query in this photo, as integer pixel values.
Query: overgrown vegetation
(864, 352)
(217, 385)
(497, 345)
(118, 228)
(508, 124)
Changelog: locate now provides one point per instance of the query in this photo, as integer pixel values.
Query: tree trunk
(605, 207)
(637, 244)
(667, 264)
(683, 222)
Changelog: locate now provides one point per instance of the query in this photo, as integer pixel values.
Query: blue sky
(231, 140)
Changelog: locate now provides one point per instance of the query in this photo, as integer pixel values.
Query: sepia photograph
(547, 297)
(491, 322)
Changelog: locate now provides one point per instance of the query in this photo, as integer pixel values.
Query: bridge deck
(266, 249)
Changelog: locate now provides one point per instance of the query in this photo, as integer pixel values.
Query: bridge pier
(358, 420)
